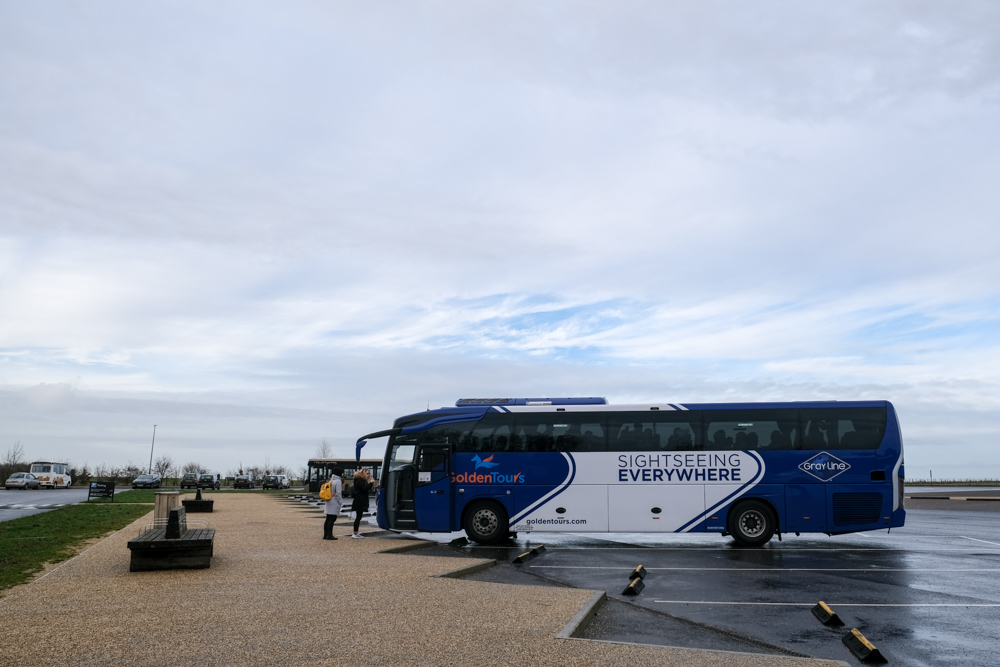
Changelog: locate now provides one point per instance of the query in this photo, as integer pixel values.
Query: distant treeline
(14, 460)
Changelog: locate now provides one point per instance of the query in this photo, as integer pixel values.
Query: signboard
(102, 490)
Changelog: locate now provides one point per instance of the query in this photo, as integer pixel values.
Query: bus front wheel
(752, 523)
(485, 522)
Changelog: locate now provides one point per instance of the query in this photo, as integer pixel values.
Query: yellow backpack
(326, 492)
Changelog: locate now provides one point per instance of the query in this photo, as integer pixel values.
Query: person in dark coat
(362, 486)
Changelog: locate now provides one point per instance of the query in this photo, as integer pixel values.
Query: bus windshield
(401, 455)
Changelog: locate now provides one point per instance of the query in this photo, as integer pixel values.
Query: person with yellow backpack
(333, 494)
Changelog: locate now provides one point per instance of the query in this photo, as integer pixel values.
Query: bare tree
(193, 467)
(14, 455)
(163, 467)
(324, 451)
(131, 471)
(13, 461)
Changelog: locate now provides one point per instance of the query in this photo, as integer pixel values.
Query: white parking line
(975, 540)
(813, 604)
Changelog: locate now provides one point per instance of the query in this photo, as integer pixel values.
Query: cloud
(49, 398)
(272, 225)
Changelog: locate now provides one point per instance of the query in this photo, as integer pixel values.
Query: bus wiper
(363, 440)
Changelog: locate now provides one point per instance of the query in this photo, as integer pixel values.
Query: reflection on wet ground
(925, 594)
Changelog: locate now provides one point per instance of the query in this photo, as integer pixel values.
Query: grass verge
(133, 496)
(28, 543)
(149, 495)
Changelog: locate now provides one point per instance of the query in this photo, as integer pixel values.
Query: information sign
(102, 490)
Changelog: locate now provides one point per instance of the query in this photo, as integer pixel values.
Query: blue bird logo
(484, 463)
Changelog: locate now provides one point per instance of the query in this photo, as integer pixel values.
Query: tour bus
(51, 475)
(320, 471)
(495, 467)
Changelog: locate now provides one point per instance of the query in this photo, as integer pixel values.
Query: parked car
(189, 481)
(146, 482)
(276, 482)
(208, 482)
(21, 480)
(243, 482)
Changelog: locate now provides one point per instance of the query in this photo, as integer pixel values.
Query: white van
(51, 475)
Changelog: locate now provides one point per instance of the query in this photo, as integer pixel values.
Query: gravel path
(276, 593)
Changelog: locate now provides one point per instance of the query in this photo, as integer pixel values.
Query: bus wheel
(485, 522)
(752, 523)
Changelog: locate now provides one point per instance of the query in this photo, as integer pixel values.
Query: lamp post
(151, 450)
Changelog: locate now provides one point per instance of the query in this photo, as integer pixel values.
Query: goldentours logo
(824, 466)
(487, 477)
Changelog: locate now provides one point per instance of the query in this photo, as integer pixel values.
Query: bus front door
(433, 492)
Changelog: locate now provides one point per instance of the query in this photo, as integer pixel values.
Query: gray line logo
(824, 466)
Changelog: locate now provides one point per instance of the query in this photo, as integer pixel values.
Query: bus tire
(752, 523)
(485, 522)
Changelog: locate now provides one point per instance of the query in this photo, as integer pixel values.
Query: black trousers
(328, 525)
(357, 519)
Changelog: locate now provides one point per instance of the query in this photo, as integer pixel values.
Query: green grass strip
(149, 495)
(28, 543)
(133, 496)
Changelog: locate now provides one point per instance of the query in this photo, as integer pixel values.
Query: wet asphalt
(925, 594)
(17, 503)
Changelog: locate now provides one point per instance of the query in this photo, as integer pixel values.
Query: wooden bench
(175, 547)
(198, 504)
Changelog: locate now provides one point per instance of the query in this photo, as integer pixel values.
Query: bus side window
(843, 428)
(720, 440)
(432, 461)
(541, 440)
(752, 429)
(592, 437)
(680, 439)
(779, 440)
(490, 434)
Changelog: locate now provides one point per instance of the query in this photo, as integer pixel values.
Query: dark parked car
(189, 481)
(146, 482)
(271, 482)
(208, 482)
(243, 482)
(21, 480)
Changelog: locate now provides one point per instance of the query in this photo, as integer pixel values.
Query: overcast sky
(263, 225)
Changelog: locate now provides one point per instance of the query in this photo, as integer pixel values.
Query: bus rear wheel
(485, 522)
(752, 523)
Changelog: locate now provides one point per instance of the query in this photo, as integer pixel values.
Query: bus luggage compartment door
(805, 508)
(433, 492)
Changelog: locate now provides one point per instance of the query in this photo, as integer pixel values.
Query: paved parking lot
(15, 503)
(276, 593)
(926, 594)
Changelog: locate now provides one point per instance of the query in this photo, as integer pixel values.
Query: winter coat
(334, 504)
(361, 488)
